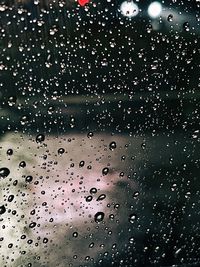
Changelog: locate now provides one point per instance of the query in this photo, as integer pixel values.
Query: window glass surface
(99, 133)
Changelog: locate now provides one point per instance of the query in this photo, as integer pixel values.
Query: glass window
(99, 133)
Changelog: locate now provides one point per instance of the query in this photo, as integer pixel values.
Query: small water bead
(89, 198)
(9, 152)
(170, 18)
(12, 101)
(112, 145)
(10, 198)
(45, 240)
(132, 218)
(186, 26)
(75, 234)
(90, 135)
(136, 194)
(93, 190)
(4, 172)
(29, 178)
(101, 197)
(61, 151)
(32, 224)
(40, 138)
(2, 209)
(99, 216)
(22, 164)
(105, 171)
(91, 245)
(82, 163)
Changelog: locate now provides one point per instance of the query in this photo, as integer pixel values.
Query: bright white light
(129, 9)
(154, 9)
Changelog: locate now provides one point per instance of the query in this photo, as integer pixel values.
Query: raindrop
(112, 145)
(136, 194)
(12, 101)
(29, 178)
(170, 18)
(101, 197)
(186, 26)
(32, 225)
(61, 151)
(105, 171)
(99, 216)
(40, 138)
(90, 135)
(45, 240)
(91, 245)
(82, 163)
(22, 164)
(75, 234)
(9, 152)
(4, 172)
(93, 190)
(89, 198)
(132, 218)
(2, 209)
(10, 198)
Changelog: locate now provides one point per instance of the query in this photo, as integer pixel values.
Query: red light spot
(83, 2)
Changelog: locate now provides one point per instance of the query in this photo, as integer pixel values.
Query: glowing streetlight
(154, 9)
(129, 9)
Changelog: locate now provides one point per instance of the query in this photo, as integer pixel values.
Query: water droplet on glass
(12, 101)
(61, 151)
(93, 190)
(136, 194)
(89, 198)
(32, 225)
(10, 198)
(132, 218)
(99, 216)
(29, 178)
(2, 209)
(112, 145)
(9, 152)
(82, 163)
(186, 26)
(4, 172)
(90, 135)
(101, 197)
(170, 18)
(105, 171)
(45, 240)
(40, 138)
(22, 164)
(75, 234)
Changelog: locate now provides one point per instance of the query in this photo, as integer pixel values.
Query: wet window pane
(99, 133)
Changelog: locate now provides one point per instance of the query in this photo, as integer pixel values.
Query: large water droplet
(4, 172)
(99, 216)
